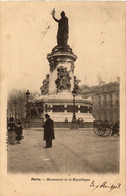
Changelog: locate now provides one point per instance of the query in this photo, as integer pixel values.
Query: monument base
(57, 99)
(74, 125)
(60, 107)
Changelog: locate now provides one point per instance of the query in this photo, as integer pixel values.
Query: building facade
(106, 99)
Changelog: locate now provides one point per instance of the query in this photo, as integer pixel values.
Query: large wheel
(102, 131)
(107, 132)
(96, 130)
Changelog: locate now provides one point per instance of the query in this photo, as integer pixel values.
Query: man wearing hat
(48, 131)
(11, 131)
(18, 131)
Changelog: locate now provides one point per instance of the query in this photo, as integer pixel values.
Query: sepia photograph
(62, 98)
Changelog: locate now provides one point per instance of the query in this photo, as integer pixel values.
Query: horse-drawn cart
(105, 128)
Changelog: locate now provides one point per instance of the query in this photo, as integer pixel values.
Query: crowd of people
(15, 129)
(79, 121)
(15, 132)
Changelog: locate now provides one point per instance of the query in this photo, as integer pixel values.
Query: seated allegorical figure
(45, 87)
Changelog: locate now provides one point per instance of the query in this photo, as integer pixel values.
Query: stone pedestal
(57, 97)
(60, 57)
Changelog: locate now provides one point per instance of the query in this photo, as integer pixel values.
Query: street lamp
(15, 104)
(27, 107)
(74, 115)
(27, 95)
(74, 124)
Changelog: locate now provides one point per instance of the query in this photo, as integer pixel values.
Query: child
(18, 131)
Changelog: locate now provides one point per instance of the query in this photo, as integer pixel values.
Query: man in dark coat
(115, 129)
(48, 131)
(18, 131)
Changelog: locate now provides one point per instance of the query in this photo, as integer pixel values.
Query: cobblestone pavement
(73, 151)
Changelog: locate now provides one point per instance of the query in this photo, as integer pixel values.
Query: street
(73, 151)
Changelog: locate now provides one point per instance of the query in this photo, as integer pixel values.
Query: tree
(16, 103)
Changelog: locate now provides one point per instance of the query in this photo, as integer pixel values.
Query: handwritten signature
(105, 185)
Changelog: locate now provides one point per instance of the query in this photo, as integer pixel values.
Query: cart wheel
(107, 132)
(96, 130)
(102, 131)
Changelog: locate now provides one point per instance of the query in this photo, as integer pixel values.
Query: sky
(96, 36)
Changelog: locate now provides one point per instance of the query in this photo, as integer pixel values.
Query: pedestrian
(81, 122)
(11, 131)
(18, 131)
(48, 131)
(78, 121)
(105, 124)
(115, 129)
(66, 120)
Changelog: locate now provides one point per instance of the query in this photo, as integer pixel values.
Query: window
(90, 109)
(71, 109)
(117, 87)
(83, 109)
(58, 108)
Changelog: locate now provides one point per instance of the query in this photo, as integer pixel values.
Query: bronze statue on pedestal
(63, 29)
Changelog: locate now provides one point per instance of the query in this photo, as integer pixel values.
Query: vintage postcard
(62, 98)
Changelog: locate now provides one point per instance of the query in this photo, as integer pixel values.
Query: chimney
(118, 79)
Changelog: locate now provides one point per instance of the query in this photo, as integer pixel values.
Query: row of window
(109, 88)
(69, 108)
(110, 97)
(107, 103)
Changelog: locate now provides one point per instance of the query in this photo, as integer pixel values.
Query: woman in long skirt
(11, 132)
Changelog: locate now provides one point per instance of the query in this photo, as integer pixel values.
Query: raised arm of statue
(55, 19)
(53, 15)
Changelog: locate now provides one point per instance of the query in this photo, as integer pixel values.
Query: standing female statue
(63, 29)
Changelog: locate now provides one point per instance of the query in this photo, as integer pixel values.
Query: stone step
(39, 122)
(56, 124)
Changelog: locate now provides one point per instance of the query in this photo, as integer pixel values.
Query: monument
(57, 87)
